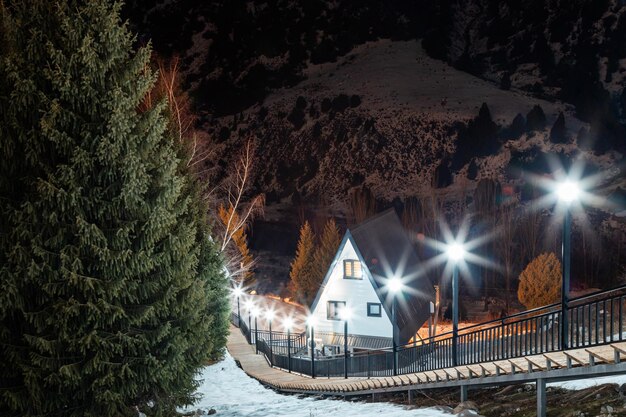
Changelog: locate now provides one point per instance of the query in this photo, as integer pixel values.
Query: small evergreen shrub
(540, 281)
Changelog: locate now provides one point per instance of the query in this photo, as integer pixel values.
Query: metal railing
(593, 320)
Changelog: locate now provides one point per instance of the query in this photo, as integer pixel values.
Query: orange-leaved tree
(302, 267)
(540, 281)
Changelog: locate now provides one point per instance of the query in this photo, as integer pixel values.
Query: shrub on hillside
(558, 133)
(540, 281)
(296, 117)
(478, 139)
(535, 119)
(326, 105)
(340, 103)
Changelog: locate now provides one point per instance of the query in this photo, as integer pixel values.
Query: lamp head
(249, 305)
(269, 314)
(311, 321)
(288, 323)
(455, 252)
(568, 191)
(345, 313)
(394, 284)
(237, 292)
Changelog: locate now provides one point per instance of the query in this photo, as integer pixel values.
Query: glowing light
(269, 314)
(249, 305)
(568, 191)
(394, 284)
(237, 292)
(455, 251)
(311, 321)
(255, 312)
(345, 313)
(288, 323)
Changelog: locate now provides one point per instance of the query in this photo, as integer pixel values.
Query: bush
(326, 105)
(478, 139)
(536, 119)
(558, 133)
(340, 103)
(301, 103)
(540, 281)
(296, 117)
(515, 129)
(505, 81)
(355, 101)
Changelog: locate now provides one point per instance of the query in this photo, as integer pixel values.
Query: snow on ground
(398, 77)
(232, 393)
(590, 382)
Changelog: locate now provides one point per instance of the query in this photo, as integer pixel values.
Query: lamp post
(455, 253)
(249, 306)
(288, 323)
(395, 287)
(269, 315)
(345, 315)
(567, 192)
(237, 292)
(255, 313)
(311, 321)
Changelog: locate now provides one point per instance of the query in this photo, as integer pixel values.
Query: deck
(580, 363)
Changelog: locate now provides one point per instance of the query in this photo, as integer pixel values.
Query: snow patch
(232, 393)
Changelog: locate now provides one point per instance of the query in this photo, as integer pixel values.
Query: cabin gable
(343, 283)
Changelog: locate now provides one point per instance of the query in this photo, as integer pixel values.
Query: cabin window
(352, 269)
(333, 309)
(374, 310)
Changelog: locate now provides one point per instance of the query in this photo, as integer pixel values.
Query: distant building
(368, 256)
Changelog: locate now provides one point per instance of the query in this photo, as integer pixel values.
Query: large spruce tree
(111, 294)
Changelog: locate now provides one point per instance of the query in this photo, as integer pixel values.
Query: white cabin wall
(357, 293)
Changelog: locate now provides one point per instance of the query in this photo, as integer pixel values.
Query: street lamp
(395, 287)
(249, 306)
(237, 291)
(345, 314)
(255, 313)
(311, 321)
(288, 324)
(567, 192)
(269, 315)
(456, 253)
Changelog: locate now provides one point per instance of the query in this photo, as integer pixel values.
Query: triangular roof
(384, 249)
(387, 251)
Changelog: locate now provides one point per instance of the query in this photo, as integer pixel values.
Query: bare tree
(362, 204)
(506, 246)
(529, 234)
(201, 148)
(238, 209)
(235, 188)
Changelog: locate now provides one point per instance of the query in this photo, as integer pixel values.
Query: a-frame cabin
(368, 256)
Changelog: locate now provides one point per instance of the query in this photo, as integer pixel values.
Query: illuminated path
(548, 367)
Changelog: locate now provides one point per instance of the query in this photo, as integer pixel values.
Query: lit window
(333, 309)
(374, 310)
(352, 269)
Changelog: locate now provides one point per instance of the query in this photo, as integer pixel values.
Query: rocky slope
(385, 102)
(574, 51)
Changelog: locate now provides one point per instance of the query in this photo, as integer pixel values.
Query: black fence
(593, 320)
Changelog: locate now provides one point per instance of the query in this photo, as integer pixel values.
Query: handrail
(528, 332)
(545, 310)
(600, 292)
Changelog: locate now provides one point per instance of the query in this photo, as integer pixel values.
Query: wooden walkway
(258, 368)
(553, 366)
